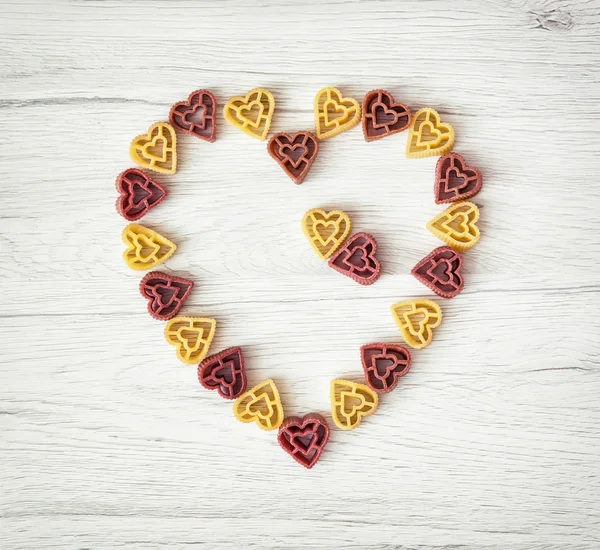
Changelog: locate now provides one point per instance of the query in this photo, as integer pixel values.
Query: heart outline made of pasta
(427, 136)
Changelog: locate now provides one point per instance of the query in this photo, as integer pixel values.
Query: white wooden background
(491, 442)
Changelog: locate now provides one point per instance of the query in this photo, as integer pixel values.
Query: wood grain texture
(490, 442)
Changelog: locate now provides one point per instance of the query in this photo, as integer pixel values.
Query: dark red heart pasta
(382, 116)
(304, 438)
(138, 193)
(455, 180)
(357, 259)
(294, 153)
(224, 372)
(165, 294)
(441, 271)
(196, 116)
(384, 364)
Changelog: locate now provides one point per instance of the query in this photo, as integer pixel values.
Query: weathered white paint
(490, 442)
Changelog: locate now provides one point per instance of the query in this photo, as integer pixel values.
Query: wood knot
(553, 20)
